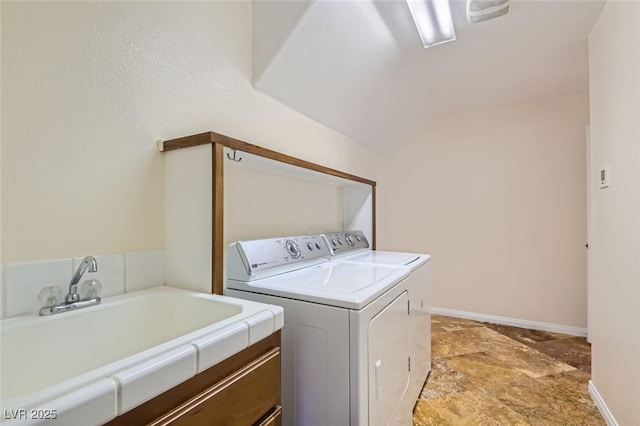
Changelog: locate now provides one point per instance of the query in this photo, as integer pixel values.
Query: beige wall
(614, 68)
(278, 205)
(87, 89)
(497, 196)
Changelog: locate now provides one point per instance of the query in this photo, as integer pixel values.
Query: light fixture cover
(481, 10)
(433, 20)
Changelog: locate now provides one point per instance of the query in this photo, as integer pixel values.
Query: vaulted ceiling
(359, 67)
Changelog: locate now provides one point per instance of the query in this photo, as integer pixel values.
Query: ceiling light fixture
(481, 10)
(433, 20)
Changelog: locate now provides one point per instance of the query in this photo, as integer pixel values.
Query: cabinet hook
(235, 158)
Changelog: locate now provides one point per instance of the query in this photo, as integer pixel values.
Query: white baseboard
(604, 410)
(515, 322)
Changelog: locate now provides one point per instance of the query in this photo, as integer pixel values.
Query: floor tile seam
(443, 357)
(567, 364)
(508, 337)
(496, 402)
(558, 358)
(529, 343)
(486, 390)
(525, 411)
(575, 398)
(578, 401)
(560, 364)
(568, 373)
(495, 356)
(497, 333)
(533, 417)
(480, 384)
(552, 374)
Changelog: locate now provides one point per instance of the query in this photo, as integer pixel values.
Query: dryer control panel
(255, 259)
(347, 242)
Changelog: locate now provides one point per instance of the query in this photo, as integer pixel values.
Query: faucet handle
(50, 296)
(90, 289)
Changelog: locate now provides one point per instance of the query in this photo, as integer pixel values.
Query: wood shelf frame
(219, 142)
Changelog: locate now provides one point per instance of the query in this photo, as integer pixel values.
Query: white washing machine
(345, 341)
(352, 246)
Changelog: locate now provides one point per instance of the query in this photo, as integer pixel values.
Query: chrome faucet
(72, 300)
(89, 262)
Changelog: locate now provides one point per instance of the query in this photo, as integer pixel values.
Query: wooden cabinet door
(242, 398)
(273, 419)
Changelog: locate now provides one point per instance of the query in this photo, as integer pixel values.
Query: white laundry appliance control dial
(349, 239)
(346, 242)
(292, 249)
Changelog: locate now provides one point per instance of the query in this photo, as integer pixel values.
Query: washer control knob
(310, 246)
(334, 242)
(292, 248)
(358, 237)
(318, 245)
(340, 241)
(349, 239)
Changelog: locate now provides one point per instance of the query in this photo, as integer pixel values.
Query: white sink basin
(46, 357)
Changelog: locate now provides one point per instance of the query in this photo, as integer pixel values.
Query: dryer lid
(411, 260)
(346, 285)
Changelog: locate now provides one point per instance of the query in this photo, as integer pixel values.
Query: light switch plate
(605, 177)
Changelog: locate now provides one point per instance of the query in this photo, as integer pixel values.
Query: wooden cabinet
(242, 390)
(195, 177)
(273, 419)
(241, 398)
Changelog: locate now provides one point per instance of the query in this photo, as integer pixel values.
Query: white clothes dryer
(345, 340)
(352, 246)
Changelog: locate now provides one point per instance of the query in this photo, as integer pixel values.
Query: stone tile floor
(489, 374)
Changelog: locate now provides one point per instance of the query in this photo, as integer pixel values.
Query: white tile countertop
(91, 365)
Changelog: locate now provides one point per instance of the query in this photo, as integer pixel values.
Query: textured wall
(614, 69)
(259, 204)
(497, 196)
(87, 89)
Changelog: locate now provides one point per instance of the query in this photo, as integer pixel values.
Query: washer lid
(346, 285)
(411, 260)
